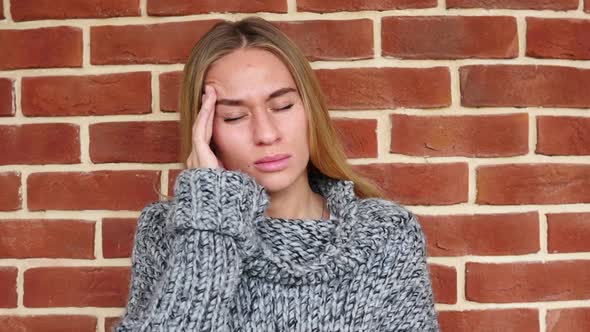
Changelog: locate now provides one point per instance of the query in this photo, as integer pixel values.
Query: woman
(270, 229)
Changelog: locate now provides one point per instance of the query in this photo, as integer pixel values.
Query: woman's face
(258, 114)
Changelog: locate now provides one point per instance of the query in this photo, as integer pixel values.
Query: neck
(297, 201)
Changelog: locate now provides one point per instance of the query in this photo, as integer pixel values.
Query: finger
(195, 154)
(193, 157)
(189, 161)
(203, 118)
(210, 116)
(198, 126)
(197, 132)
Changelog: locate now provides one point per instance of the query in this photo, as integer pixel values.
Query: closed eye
(286, 107)
(278, 109)
(232, 119)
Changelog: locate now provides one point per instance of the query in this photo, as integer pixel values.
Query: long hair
(326, 151)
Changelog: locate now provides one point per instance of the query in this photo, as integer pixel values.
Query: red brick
(568, 232)
(524, 85)
(98, 190)
(521, 320)
(568, 320)
(110, 323)
(188, 7)
(127, 93)
(47, 239)
(117, 237)
(172, 174)
(49, 323)
(10, 195)
(449, 37)
(472, 136)
(1, 10)
(514, 4)
(7, 106)
(42, 143)
(420, 184)
(586, 6)
(331, 39)
(41, 48)
(444, 283)
(380, 88)
(170, 85)
(76, 287)
(145, 142)
(533, 184)
(359, 137)
(563, 135)
(527, 281)
(492, 234)
(154, 43)
(26, 10)
(8, 287)
(322, 6)
(558, 38)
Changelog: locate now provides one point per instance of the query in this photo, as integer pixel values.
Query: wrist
(212, 199)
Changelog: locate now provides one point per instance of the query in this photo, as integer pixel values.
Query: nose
(265, 129)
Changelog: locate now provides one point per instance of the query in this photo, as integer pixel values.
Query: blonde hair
(326, 152)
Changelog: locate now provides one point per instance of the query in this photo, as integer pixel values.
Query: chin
(277, 181)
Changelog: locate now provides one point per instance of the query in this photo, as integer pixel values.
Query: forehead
(249, 70)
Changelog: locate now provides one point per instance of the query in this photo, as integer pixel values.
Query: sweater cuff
(218, 200)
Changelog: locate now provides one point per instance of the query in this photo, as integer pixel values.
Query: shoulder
(383, 210)
(396, 223)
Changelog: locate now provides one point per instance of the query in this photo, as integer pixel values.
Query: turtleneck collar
(340, 246)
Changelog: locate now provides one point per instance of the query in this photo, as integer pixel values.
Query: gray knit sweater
(211, 260)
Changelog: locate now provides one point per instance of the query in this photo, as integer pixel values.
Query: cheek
(295, 120)
(230, 142)
(222, 136)
(295, 129)
(301, 123)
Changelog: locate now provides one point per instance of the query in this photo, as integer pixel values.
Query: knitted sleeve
(148, 260)
(410, 302)
(212, 222)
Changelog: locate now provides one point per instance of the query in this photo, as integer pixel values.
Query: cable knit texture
(211, 260)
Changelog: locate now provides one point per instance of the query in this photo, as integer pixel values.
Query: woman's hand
(201, 155)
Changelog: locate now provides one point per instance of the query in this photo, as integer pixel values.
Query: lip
(273, 163)
(272, 158)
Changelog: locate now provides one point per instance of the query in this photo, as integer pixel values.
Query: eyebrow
(238, 102)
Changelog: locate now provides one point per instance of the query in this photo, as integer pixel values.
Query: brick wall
(472, 113)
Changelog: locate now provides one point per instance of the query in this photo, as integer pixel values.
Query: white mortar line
(542, 318)
(522, 37)
(98, 239)
(155, 86)
(291, 7)
(86, 47)
(7, 14)
(143, 8)
(341, 15)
